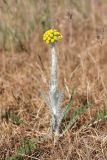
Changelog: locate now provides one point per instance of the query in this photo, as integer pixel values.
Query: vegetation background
(25, 71)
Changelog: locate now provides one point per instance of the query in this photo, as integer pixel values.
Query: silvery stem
(53, 90)
(53, 83)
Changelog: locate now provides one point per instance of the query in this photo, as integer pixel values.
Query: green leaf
(67, 108)
(76, 114)
(26, 148)
(100, 116)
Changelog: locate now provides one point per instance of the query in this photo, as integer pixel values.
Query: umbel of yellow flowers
(52, 36)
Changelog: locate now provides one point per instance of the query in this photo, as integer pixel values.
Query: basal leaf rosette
(51, 36)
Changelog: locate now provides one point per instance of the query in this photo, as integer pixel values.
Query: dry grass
(82, 65)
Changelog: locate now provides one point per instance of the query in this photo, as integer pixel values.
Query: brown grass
(82, 57)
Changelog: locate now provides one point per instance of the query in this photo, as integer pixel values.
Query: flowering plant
(54, 99)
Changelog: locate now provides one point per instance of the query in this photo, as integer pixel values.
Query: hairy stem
(53, 91)
(53, 84)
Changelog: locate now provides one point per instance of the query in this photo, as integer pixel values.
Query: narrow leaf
(60, 97)
(69, 105)
(75, 116)
(47, 100)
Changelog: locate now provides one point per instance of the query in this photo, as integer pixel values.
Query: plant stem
(53, 91)
(53, 85)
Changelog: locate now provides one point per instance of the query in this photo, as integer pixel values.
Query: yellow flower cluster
(51, 36)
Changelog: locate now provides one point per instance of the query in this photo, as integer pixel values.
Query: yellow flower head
(52, 36)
